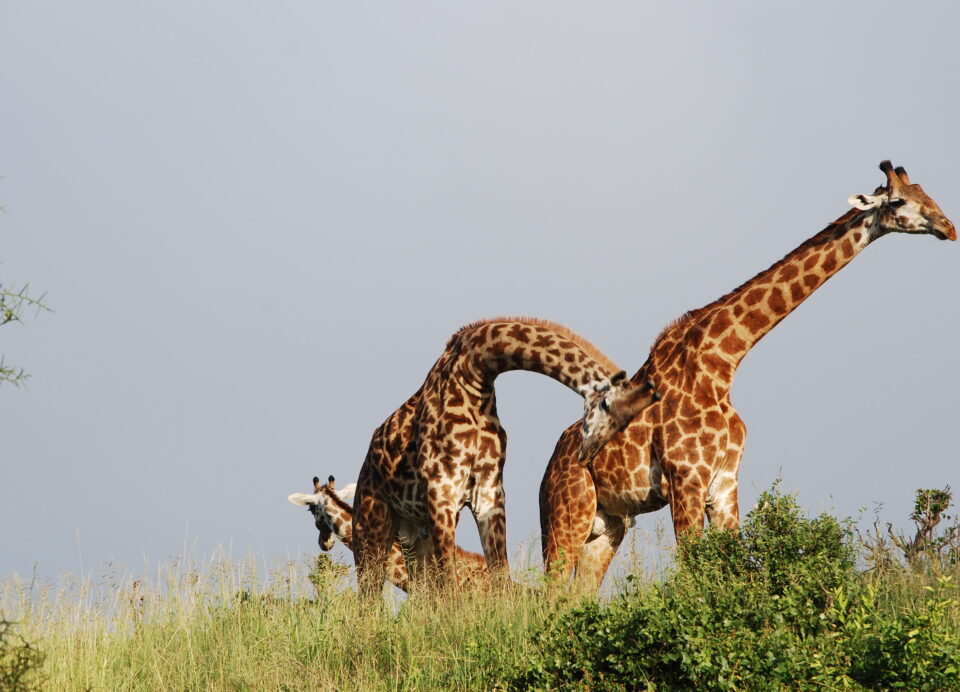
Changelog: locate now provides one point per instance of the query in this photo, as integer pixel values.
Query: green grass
(226, 627)
(790, 603)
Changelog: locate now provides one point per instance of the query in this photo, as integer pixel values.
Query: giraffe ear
(347, 492)
(865, 202)
(303, 499)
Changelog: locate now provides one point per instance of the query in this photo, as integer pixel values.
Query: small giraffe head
(609, 408)
(903, 207)
(330, 510)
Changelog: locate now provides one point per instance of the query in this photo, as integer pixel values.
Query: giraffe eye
(604, 406)
(897, 202)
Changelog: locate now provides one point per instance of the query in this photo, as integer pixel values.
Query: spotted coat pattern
(685, 451)
(443, 449)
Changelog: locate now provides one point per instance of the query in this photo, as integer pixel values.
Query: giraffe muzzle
(950, 231)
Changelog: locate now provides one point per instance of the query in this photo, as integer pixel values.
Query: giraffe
(686, 450)
(443, 449)
(331, 511)
(333, 517)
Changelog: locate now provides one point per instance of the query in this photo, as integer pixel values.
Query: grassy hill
(791, 602)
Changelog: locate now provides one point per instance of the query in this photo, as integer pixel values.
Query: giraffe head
(609, 408)
(330, 509)
(902, 207)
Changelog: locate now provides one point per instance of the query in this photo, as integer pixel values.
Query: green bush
(779, 605)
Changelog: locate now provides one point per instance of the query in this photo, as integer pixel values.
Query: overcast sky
(258, 223)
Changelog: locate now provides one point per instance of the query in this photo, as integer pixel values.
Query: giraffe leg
(409, 554)
(722, 507)
(397, 572)
(598, 552)
(688, 480)
(568, 504)
(723, 510)
(487, 500)
(442, 517)
(492, 524)
(374, 528)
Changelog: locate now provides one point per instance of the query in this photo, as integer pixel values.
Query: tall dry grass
(252, 624)
(234, 625)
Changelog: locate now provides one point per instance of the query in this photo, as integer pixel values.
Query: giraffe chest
(471, 475)
(684, 436)
(460, 449)
(636, 491)
(628, 478)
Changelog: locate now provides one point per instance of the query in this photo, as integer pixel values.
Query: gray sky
(258, 223)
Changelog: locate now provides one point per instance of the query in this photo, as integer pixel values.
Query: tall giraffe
(443, 449)
(333, 517)
(686, 451)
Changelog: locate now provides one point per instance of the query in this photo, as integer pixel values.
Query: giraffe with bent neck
(443, 449)
(333, 516)
(686, 450)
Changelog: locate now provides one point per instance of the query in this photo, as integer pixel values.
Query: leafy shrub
(917, 649)
(926, 548)
(779, 605)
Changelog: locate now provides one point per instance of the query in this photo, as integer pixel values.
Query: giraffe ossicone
(686, 450)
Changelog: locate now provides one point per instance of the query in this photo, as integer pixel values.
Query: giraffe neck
(485, 350)
(341, 517)
(728, 328)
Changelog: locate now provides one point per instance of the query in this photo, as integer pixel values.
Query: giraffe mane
(672, 324)
(343, 497)
(692, 315)
(561, 329)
